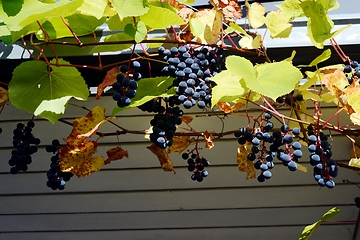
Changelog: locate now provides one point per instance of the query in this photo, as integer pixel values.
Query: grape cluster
(325, 169)
(192, 70)
(56, 177)
(266, 146)
(25, 144)
(290, 99)
(151, 106)
(126, 84)
(196, 165)
(352, 72)
(164, 126)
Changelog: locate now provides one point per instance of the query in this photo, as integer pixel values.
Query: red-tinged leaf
(93, 131)
(165, 161)
(227, 108)
(185, 14)
(116, 153)
(186, 119)
(4, 96)
(243, 163)
(180, 143)
(79, 159)
(86, 125)
(334, 79)
(208, 140)
(109, 80)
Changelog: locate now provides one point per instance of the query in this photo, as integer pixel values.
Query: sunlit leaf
(160, 18)
(309, 230)
(278, 24)
(116, 153)
(321, 58)
(244, 164)
(227, 89)
(114, 47)
(208, 140)
(85, 124)
(248, 42)
(108, 80)
(164, 159)
(137, 33)
(255, 14)
(54, 106)
(291, 8)
(79, 159)
(197, 27)
(4, 96)
(94, 8)
(28, 93)
(334, 79)
(132, 8)
(149, 88)
(180, 143)
(239, 29)
(155, 45)
(212, 20)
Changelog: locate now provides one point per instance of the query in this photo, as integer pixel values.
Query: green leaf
(130, 8)
(149, 88)
(241, 67)
(196, 27)
(186, 1)
(255, 14)
(115, 24)
(94, 8)
(138, 33)
(15, 35)
(329, 4)
(155, 45)
(239, 29)
(52, 109)
(33, 10)
(278, 24)
(291, 8)
(31, 84)
(227, 89)
(160, 18)
(13, 7)
(323, 57)
(309, 230)
(114, 47)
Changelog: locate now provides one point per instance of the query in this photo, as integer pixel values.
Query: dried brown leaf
(4, 96)
(180, 143)
(108, 80)
(164, 159)
(208, 140)
(116, 153)
(243, 163)
(227, 108)
(186, 119)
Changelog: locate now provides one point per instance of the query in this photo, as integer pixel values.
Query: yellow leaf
(278, 24)
(334, 79)
(243, 163)
(255, 14)
(78, 159)
(165, 161)
(4, 96)
(355, 162)
(212, 20)
(301, 168)
(116, 153)
(180, 143)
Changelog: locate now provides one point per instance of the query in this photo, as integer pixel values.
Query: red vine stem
(72, 31)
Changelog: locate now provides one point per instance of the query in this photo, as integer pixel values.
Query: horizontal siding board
(328, 232)
(169, 220)
(191, 199)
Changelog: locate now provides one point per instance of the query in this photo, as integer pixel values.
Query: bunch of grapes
(126, 84)
(192, 70)
(352, 72)
(25, 144)
(153, 105)
(164, 126)
(196, 165)
(56, 177)
(325, 169)
(290, 99)
(265, 146)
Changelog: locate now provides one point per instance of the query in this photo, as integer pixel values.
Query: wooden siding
(134, 199)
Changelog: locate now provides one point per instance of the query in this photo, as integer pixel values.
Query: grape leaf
(278, 24)
(291, 8)
(85, 124)
(28, 93)
(130, 8)
(248, 42)
(138, 33)
(186, 1)
(244, 164)
(321, 58)
(9, 37)
(94, 8)
(227, 108)
(57, 107)
(239, 29)
(164, 159)
(160, 18)
(13, 7)
(33, 10)
(116, 153)
(155, 45)
(212, 20)
(79, 159)
(108, 80)
(114, 47)
(4, 96)
(186, 119)
(149, 88)
(227, 89)
(180, 143)
(197, 27)
(309, 230)
(255, 14)
(115, 24)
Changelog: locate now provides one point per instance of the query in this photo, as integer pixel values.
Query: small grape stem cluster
(290, 99)
(56, 177)
(164, 126)
(25, 144)
(192, 70)
(325, 169)
(265, 146)
(196, 165)
(352, 72)
(126, 84)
